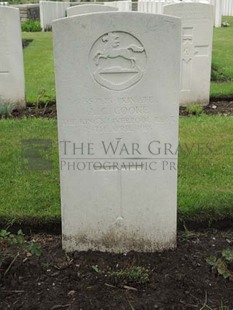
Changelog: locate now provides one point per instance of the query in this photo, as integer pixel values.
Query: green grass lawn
(39, 67)
(222, 58)
(205, 190)
(27, 194)
(205, 180)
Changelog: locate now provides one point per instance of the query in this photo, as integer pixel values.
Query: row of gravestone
(196, 50)
(51, 10)
(118, 91)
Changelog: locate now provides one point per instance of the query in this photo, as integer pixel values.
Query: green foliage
(16, 239)
(222, 264)
(34, 249)
(4, 234)
(42, 99)
(31, 26)
(12, 245)
(96, 268)
(187, 234)
(225, 24)
(6, 109)
(194, 109)
(228, 255)
(130, 275)
(223, 307)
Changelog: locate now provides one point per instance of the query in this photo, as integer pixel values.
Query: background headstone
(88, 8)
(118, 105)
(122, 6)
(196, 51)
(51, 10)
(12, 85)
(227, 8)
(156, 6)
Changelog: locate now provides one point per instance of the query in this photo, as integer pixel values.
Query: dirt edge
(54, 227)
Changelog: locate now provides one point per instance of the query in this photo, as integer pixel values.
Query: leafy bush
(31, 26)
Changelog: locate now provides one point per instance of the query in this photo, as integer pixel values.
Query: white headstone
(150, 6)
(89, 8)
(227, 8)
(118, 101)
(196, 51)
(123, 6)
(51, 10)
(12, 85)
(218, 12)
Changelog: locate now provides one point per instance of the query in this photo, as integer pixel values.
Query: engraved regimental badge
(117, 60)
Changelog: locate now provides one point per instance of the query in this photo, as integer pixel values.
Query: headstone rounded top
(118, 15)
(187, 10)
(8, 9)
(89, 8)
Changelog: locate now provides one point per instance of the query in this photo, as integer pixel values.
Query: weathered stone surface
(117, 97)
(12, 88)
(89, 8)
(196, 51)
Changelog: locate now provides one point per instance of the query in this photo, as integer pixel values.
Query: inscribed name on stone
(118, 101)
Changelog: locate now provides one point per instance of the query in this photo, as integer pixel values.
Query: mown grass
(39, 66)
(205, 183)
(222, 58)
(205, 180)
(222, 47)
(27, 194)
